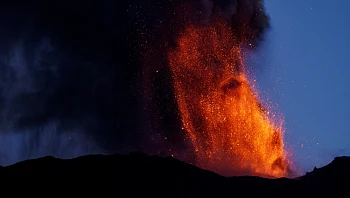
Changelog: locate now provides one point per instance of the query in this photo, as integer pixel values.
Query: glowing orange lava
(227, 125)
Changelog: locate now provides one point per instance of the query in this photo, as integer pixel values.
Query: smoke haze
(72, 75)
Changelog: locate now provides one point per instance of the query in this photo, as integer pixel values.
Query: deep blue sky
(304, 67)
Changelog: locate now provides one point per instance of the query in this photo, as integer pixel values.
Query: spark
(229, 128)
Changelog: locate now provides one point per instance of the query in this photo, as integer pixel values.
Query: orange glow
(230, 131)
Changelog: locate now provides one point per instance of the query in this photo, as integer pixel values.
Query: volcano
(160, 77)
(139, 174)
(226, 127)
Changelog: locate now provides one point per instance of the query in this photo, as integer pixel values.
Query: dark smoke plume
(78, 78)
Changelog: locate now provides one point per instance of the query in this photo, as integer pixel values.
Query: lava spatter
(230, 131)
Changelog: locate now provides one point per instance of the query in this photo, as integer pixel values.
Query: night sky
(70, 77)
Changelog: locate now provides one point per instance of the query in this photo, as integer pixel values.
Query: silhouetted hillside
(142, 175)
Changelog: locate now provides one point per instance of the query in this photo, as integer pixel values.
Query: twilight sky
(306, 72)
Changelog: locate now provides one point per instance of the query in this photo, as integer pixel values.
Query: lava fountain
(230, 130)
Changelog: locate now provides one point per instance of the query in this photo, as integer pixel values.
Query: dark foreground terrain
(151, 176)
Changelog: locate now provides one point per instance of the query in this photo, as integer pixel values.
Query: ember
(228, 126)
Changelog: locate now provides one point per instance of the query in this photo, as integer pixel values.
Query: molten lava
(228, 127)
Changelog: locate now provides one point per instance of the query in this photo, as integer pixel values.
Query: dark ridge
(335, 173)
(141, 174)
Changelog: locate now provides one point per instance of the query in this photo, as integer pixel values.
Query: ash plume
(248, 18)
(74, 80)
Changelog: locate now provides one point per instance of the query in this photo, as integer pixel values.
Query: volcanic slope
(140, 174)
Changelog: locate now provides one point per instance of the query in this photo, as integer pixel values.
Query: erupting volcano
(230, 130)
